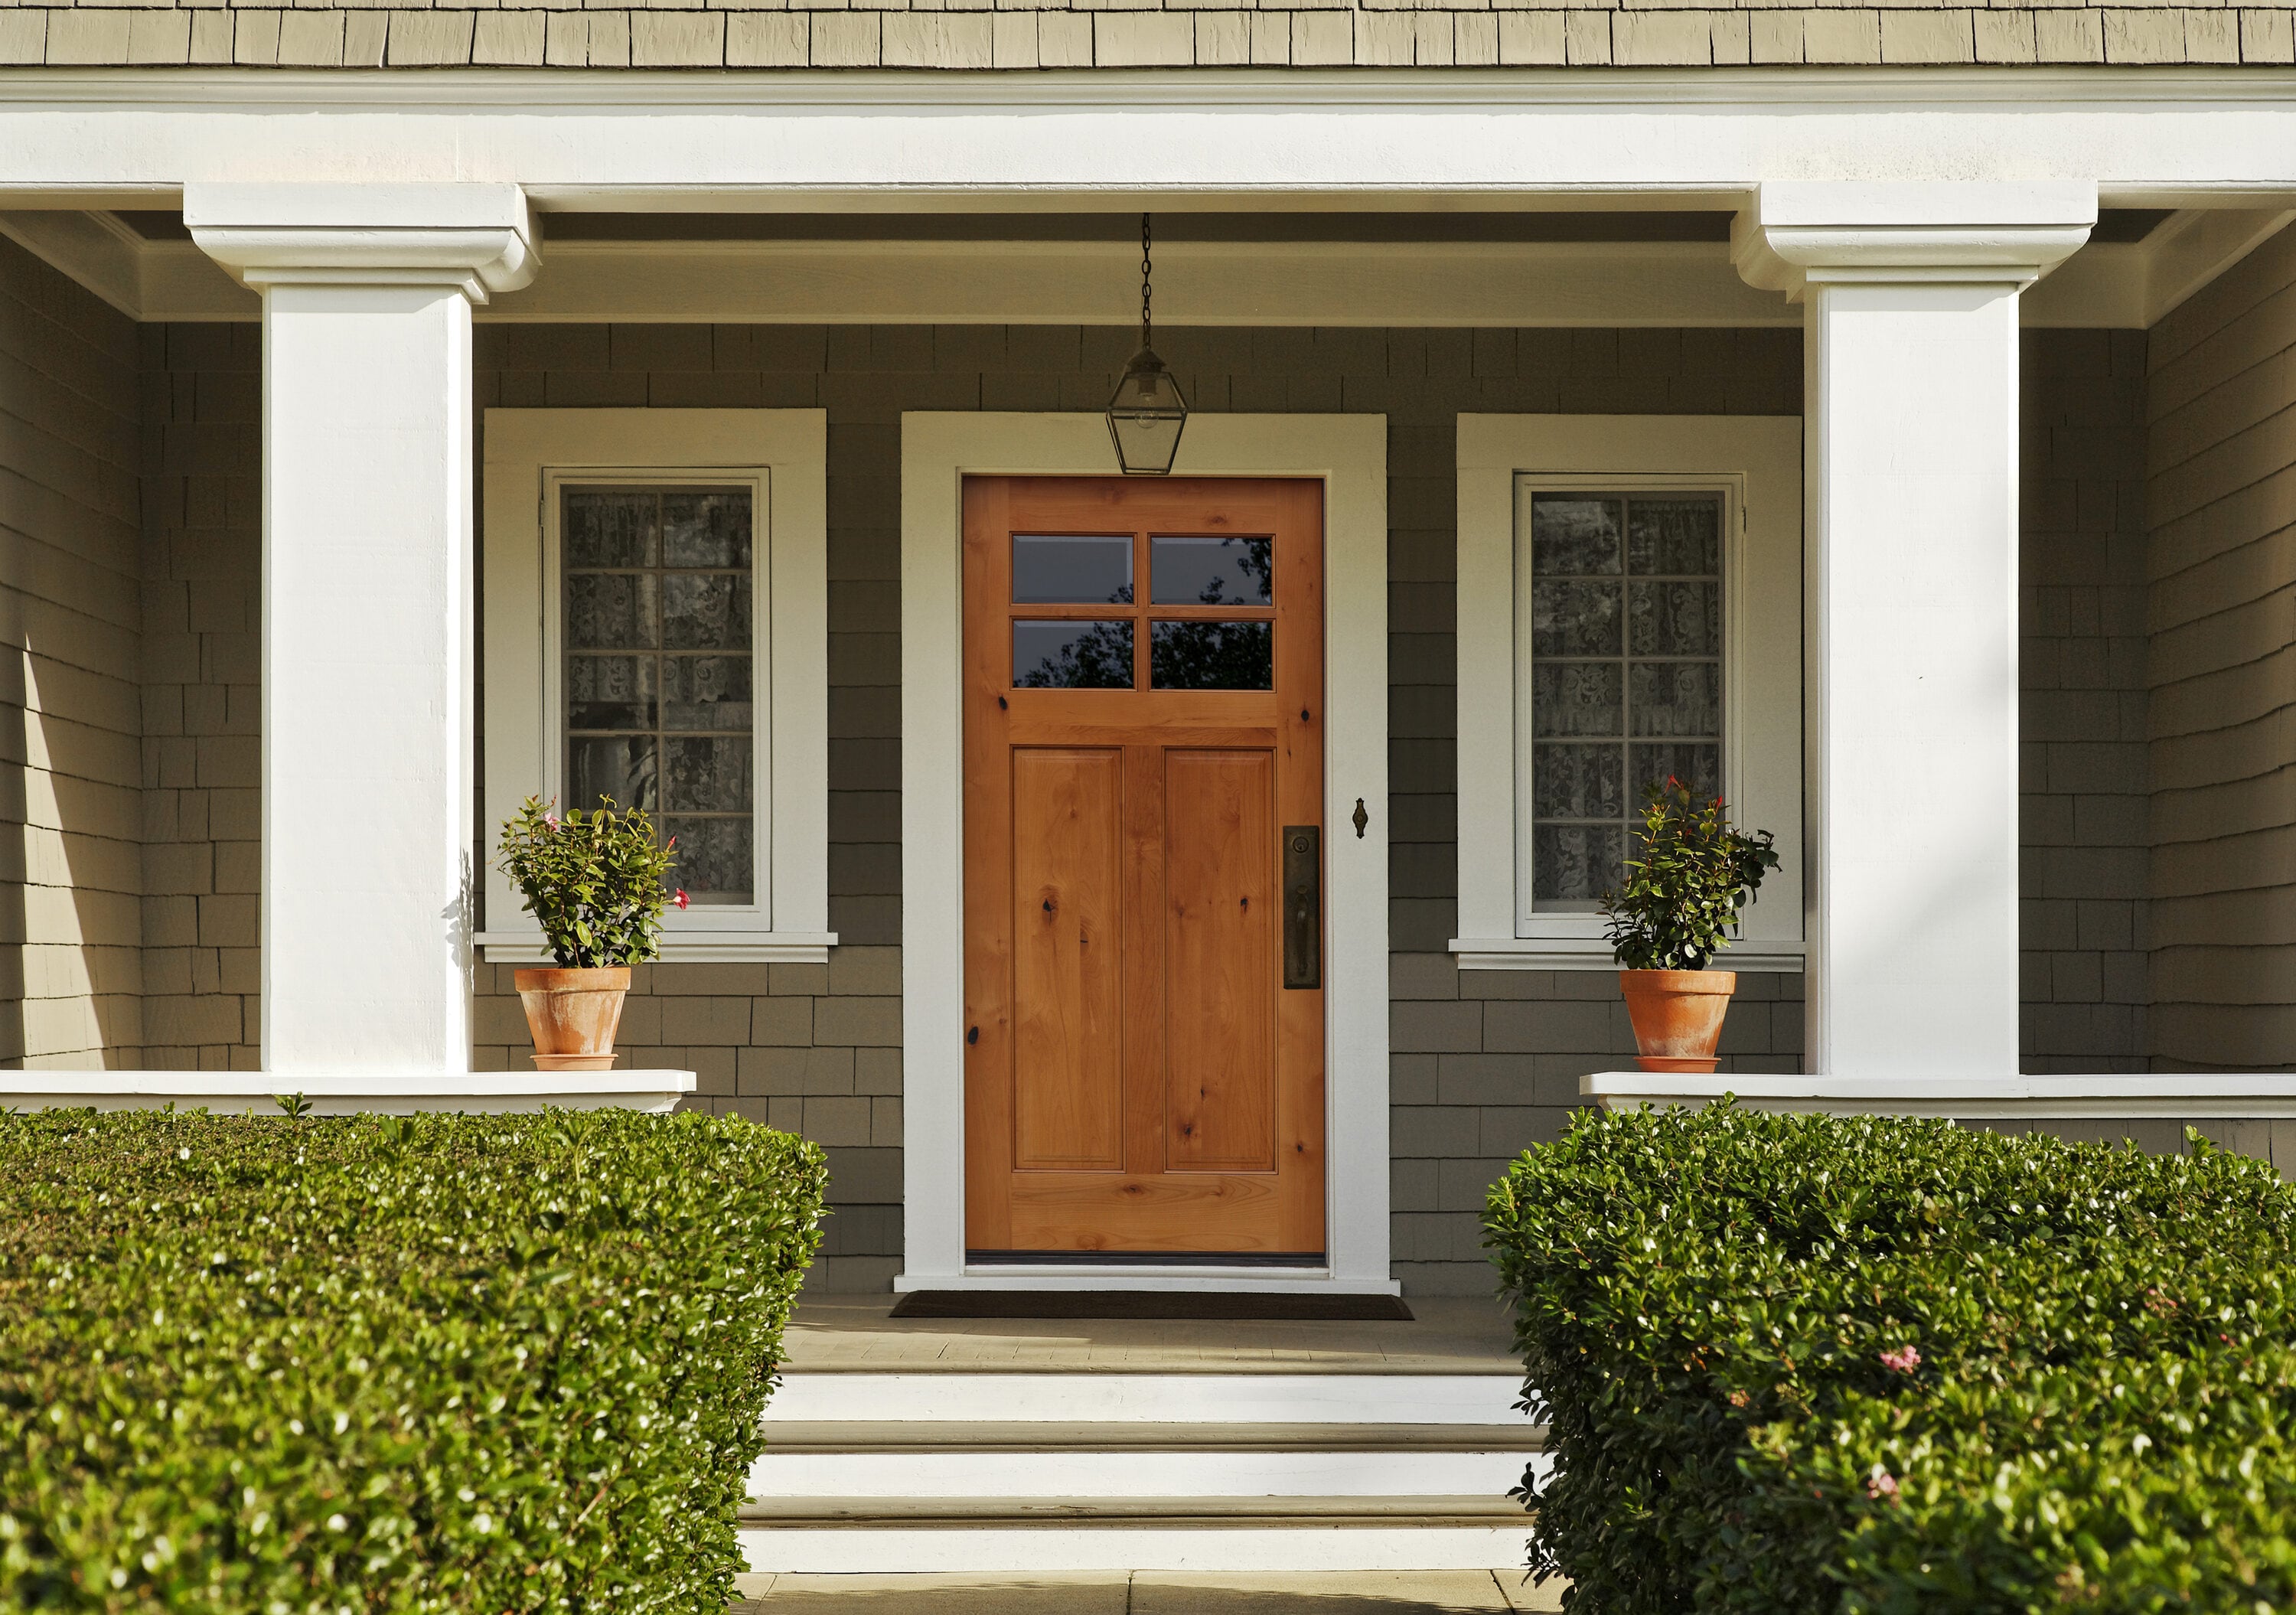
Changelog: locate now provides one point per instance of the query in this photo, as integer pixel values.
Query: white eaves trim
(784, 451)
(2155, 1094)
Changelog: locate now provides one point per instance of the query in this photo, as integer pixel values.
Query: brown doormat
(1159, 1305)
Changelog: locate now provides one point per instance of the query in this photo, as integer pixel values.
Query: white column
(367, 624)
(1910, 601)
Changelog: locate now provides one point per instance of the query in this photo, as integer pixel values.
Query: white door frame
(1349, 454)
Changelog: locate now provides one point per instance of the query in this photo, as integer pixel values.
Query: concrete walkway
(1151, 1593)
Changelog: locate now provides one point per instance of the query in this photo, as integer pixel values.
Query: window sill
(690, 947)
(1560, 953)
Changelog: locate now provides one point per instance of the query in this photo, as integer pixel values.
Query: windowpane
(604, 529)
(1215, 570)
(1572, 617)
(1625, 675)
(1572, 865)
(1573, 534)
(1675, 537)
(1072, 655)
(610, 691)
(1057, 571)
(1577, 782)
(611, 611)
(616, 766)
(1211, 655)
(660, 710)
(1575, 697)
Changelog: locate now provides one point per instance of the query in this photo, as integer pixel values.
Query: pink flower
(680, 900)
(550, 821)
(1904, 1359)
(1880, 1484)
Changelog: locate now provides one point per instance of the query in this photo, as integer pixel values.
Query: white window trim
(1756, 461)
(782, 452)
(1349, 454)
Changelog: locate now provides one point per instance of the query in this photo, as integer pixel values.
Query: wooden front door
(1143, 781)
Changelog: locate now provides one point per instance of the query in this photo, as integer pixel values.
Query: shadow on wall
(70, 962)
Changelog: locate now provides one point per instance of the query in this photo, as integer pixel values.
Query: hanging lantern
(1147, 414)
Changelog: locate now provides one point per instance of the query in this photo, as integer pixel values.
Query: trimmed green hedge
(466, 1363)
(1805, 1363)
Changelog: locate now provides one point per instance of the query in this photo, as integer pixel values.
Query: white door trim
(1349, 454)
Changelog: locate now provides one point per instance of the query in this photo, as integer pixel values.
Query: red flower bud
(680, 900)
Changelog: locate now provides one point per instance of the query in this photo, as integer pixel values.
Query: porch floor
(855, 1334)
(1142, 1593)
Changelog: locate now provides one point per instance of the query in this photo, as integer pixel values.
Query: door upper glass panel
(1213, 570)
(1060, 569)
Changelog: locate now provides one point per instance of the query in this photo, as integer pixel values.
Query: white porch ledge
(679, 948)
(346, 1092)
(1554, 953)
(2184, 1094)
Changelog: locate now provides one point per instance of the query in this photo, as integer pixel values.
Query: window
(1629, 610)
(1620, 641)
(660, 629)
(656, 611)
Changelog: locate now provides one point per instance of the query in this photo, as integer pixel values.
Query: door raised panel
(1219, 939)
(1067, 958)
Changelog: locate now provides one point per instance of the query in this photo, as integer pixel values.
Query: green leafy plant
(1682, 896)
(403, 1365)
(1883, 1366)
(597, 881)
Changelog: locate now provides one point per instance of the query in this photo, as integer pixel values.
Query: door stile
(988, 840)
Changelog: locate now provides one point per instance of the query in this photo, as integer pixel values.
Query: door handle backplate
(1303, 907)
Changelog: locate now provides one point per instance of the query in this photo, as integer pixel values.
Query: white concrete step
(1087, 1471)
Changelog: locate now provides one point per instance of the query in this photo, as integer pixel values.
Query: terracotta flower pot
(573, 1015)
(1678, 1015)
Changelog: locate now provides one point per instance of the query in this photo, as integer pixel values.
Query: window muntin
(1621, 659)
(660, 631)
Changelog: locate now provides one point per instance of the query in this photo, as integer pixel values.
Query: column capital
(478, 239)
(1799, 233)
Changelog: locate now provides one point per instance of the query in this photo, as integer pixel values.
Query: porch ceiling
(1583, 266)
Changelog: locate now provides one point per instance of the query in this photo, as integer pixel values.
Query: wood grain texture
(1137, 1078)
(1067, 958)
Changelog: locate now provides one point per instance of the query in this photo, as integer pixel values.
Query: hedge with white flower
(281, 1365)
(1817, 1366)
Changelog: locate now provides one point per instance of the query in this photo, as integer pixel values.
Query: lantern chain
(1144, 291)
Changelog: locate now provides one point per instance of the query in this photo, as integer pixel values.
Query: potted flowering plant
(1678, 907)
(597, 883)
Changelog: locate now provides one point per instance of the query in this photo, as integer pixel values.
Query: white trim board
(783, 453)
(1069, 1545)
(689, 141)
(1757, 460)
(346, 1092)
(2175, 1095)
(1349, 454)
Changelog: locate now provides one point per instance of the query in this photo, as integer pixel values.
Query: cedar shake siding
(2222, 663)
(975, 36)
(70, 855)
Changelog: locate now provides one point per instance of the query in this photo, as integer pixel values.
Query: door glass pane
(1072, 655)
(1049, 569)
(1215, 570)
(1625, 642)
(659, 709)
(1211, 655)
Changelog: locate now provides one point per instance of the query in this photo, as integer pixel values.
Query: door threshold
(1251, 1305)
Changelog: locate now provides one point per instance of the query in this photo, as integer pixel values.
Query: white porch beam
(367, 628)
(1909, 293)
